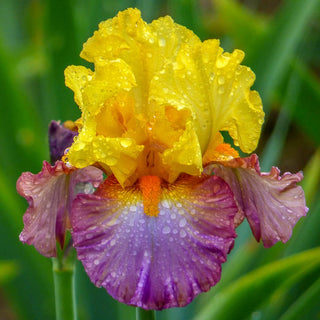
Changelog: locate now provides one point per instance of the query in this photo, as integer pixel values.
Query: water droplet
(79, 145)
(222, 61)
(166, 204)
(182, 233)
(173, 216)
(221, 80)
(112, 242)
(166, 230)
(126, 143)
(182, 222)
(111, 161)
(221, 90)
(96, 262)
(162, 42)
(133, 208)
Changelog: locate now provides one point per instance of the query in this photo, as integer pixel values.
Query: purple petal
(49, 194)
(155, 262)
(60, 138)
(272, 203)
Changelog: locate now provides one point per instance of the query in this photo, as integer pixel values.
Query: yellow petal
(235, 108)
(184, 156)
(117, 153)
(216, 89)
(76, 77)
(181, 84)
(158, 100)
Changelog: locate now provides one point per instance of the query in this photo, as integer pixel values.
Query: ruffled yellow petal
(158, 99)
(76, 77)
(219, 151)
(119, 154)
(92, 89)
(235, 108)
(184, 156)
(216, 89)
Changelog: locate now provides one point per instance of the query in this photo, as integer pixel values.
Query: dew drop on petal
(222, 61)
(221, 90)
(173, 216)
(126, 143)
(221, 80)
(182, 222)
(182, 233)
(162, 42)
(166, 230)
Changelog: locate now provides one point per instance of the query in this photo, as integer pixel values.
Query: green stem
(64, 286)
(142, 314)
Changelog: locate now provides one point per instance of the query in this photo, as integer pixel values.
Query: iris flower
(155, 232)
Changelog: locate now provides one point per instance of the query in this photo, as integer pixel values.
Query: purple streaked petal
(49, 194)
(273, 204)
(60, 138)
(155, 262)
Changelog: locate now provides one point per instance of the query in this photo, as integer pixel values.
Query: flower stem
(64, 286)
(142, 314)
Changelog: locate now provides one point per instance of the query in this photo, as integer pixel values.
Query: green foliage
(38, 39)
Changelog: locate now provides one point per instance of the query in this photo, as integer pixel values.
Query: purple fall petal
(49, 194)
(60, 138)
(155, 262)
(272, 203)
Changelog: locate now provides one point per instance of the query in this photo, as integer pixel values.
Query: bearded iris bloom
(155, 232)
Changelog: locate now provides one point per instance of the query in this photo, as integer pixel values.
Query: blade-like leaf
(306, 301)
(272, 57)
(257, 286)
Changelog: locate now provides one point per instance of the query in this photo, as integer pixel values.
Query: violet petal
(155, 262)
(49, 194)
(272, 203)
(60, 138)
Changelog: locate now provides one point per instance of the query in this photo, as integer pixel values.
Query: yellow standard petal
(158, 99)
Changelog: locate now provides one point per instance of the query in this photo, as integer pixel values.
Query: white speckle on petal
(182, 222)
(166, 230)
(182, 233)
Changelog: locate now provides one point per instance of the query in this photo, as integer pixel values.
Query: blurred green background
(38, 39)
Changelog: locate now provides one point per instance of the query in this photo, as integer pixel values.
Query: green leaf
(236, 21)
(306, 107)
(274, 146)
(305, 302)
(188, 13)
(8, 270)
(272, 56)
(311, 181)
(258, 286)
(142, 314)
